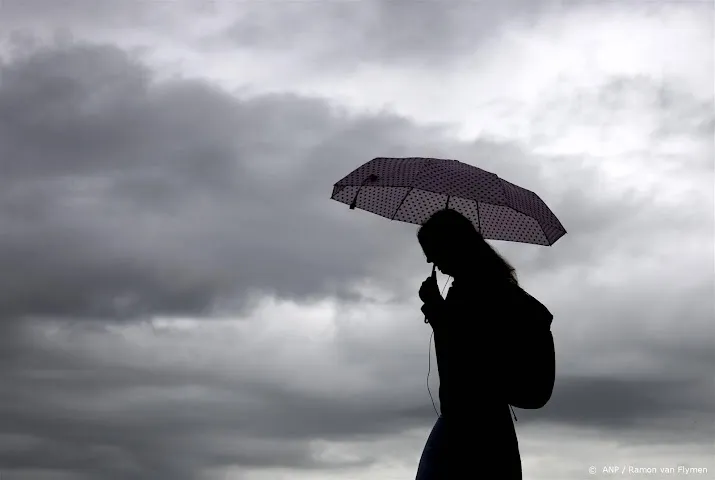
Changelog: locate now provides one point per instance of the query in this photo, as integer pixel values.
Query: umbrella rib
(401, 202)
(479, 218)
(541, 227)
(412, 187)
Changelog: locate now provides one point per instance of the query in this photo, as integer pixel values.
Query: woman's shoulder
(481, 294)
(482, 284)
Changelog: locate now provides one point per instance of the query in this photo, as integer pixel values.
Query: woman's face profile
(437, 252)
(452, 244)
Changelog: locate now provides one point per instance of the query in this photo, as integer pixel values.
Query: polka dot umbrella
(412, 189)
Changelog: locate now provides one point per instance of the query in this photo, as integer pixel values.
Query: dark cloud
(125, 197)
(109, 411)
(65, 410)
(42, 16)
(659, 406)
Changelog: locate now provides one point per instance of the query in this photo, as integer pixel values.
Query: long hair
(464, 237)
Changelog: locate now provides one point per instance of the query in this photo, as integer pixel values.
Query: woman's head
(450, 241)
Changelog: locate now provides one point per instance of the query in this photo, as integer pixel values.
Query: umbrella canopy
(412, 189)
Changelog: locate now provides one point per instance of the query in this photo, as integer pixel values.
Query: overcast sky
(180, 298)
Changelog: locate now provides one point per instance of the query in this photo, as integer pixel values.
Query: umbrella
(412, 189)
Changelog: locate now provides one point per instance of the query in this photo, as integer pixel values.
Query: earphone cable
(429, 357)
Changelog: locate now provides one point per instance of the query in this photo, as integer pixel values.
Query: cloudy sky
(180, 299)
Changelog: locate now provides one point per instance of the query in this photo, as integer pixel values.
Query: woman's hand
(429, 291)
(434, 312)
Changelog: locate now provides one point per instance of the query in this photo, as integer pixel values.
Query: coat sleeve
(527, 374)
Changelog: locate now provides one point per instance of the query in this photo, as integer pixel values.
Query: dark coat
(494, 350)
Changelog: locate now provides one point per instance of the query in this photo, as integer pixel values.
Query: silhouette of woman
(494, 350)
